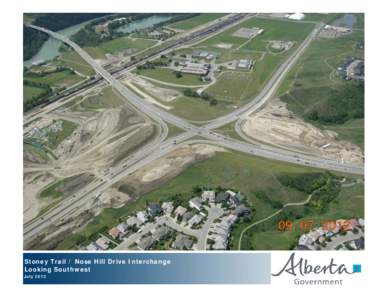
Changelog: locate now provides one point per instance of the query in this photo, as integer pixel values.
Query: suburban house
(142, 216)
(182, 242)
(196, 203)
(114, 233)
(195, 220)
(102, 243)
(179, 211)
(154, 209)
(168, 207)
(208, 196)
(133, 221)
(145, 243)
(123, 227)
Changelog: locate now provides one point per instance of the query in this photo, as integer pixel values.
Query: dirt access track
(129, 189)
(276, 125)
(103, 136)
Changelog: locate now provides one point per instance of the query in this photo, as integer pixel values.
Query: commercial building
(245, 64)
(195, 68)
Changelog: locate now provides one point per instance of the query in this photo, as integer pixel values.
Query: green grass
(119, 44)
(229, 170)
(106, 98)
(30, 92)
(352, 130)
(55, 138)
(62, 78)
(232, 89)
(40, 152)
(348, 204)
(196, 109)
(173, 131)
(54, 190)
(312, 82)
(196, 21)
(229, 131)
(168, 76)
(240, 87)
(74, 61)
(273, 30)
(325, 18)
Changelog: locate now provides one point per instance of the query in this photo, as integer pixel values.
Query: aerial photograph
(193, 131)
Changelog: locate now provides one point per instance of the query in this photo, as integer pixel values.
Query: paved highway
(156, 150)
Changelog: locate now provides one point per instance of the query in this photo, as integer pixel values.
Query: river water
(143, 23)
(50, 49)
(347, 20)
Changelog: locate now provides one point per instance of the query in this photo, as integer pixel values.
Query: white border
(373, 258)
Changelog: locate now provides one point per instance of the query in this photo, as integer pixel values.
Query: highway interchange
(191, 134)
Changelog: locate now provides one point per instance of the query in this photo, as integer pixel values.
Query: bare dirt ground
(102, 138)
(162, 94)
(33, 182)
(129, 189)
(276, 125)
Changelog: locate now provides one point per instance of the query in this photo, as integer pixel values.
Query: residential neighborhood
(335, 235)
(204, 222)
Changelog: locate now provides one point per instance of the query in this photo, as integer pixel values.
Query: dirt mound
(276, 125)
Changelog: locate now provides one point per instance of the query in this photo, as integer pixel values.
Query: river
(347, 20)
(50, 49)
(143, 23)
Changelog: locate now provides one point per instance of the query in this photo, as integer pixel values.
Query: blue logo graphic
(356, 268)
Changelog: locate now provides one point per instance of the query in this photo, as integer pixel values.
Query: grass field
(119, 44)
(240, 87)
(168, 76)
(352, 130)
(173, 131)
(196, 21)
(196, 109)
(266, 236)
(229, 131)
(56, 79)
(312, 82)
(105, 99)
(229, 170)
(54, 190)
(30, 92)
(273, 30)
(74, 61)
(55, 138)
(325, 18)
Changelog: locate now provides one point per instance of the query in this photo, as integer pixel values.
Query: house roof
(222, 197)
(114, 232)
(154, 208)
(182, 242)
(146, 242)
(180, 210)
(187, 216)
(160, 232)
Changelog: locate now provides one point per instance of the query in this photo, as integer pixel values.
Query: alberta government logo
(301, 269)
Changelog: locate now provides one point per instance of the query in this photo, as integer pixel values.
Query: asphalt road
(156, 150)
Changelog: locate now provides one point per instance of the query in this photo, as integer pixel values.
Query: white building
(142, 216)
(195, 220)
(196, 203)
(208, 196)
(102, 243)
(123, 227)
(131, 221)
(167, 207)
(296, 16)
